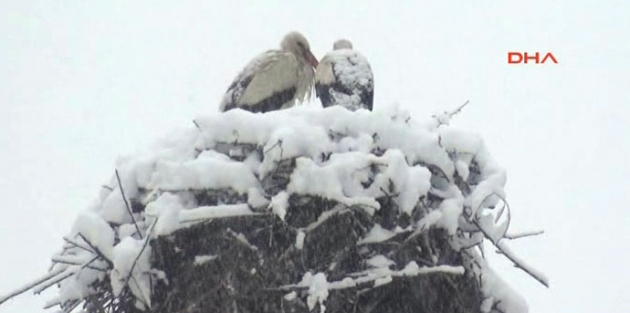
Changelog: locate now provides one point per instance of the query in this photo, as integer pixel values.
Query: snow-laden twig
(524, 234)
(54, 280)
(31, 285)
(73, 261)
(445, 117)
(242, 239)
(503, 249)
(96, 250)
(381, 276)
(456, 111)
(122, 192)
(77, 244)
(63, 275)
(339, 208)
(70, 306)
(205, 213)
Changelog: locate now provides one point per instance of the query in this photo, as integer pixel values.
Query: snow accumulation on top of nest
(333, 149)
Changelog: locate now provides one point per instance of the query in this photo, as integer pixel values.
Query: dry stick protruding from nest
(502, 248)
(74, 244)
(96, 250)
(71, 306)
(459, 109)
(57, 260)
(122, 192)
(77, 244)
(50, 279)
(31, 285)
(451, 113)
(524, 234)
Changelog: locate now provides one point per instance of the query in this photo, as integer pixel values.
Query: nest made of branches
(262, 262)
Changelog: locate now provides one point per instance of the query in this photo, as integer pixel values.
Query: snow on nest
(335, 149)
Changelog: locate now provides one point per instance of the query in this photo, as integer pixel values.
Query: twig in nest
(277, 144)
(122, 192)
(503, 249)
(337, 209)
(96, 250)
(237, 135)
(58, 260)
(77, 244)
(143, 300)
(524, 234)
(443, 119)
(144, 246)
(68, 273)
(30, 285)
(70, 306)
(458, 109)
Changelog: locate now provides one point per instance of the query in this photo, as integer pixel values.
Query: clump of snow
(279, 204)
(317, 290)
(299, 240)
(256, 199)
(210, 212)
(377, 234)
(96, 232)
(202, 259)
(210, 170)
(131, 267)
(164, 212)
(379, 261)
(290, 296)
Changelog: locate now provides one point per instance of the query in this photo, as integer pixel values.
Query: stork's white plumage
(274, 80)
(344, 77)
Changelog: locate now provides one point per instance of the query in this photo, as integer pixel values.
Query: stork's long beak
(311, 59)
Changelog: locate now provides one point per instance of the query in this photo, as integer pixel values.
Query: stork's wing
(324, 80)
(352, 82)
(267, 83)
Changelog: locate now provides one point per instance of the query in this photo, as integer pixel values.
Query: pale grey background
(82, 83)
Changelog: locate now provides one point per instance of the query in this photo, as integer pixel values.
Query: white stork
(344, 77)
(274, 80)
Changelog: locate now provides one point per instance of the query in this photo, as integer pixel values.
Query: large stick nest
(311, 252)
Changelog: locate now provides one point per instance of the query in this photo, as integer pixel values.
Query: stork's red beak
(311, 59)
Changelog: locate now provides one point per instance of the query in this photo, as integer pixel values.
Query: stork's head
(342, 44)
(297, 44)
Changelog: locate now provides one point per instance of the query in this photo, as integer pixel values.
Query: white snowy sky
(83, 83)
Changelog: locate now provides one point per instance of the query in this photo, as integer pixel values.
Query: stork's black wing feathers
(323, 93)
(367, 94)
(235, 90)
(273, 102)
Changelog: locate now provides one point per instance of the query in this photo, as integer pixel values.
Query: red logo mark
(517, 58)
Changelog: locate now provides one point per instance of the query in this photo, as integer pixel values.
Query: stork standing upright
(274, 80)
(344, 77)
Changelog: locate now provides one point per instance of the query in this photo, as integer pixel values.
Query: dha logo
(517, 58)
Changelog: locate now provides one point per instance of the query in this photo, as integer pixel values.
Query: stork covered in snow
(344, 77)
(274, 80)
